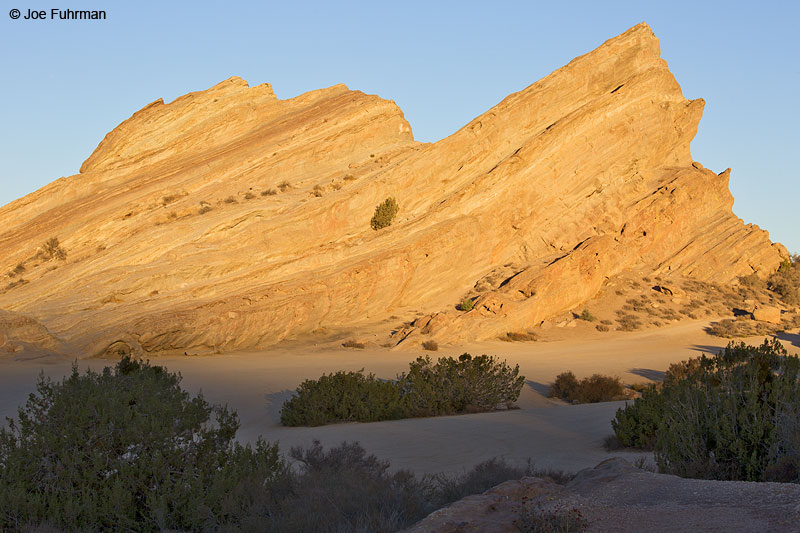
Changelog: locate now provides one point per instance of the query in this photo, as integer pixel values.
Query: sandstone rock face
(229, 219)
(19, 333)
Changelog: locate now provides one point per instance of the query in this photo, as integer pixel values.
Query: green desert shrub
(565, 386)
(593, 389)
(384, 214)
(344, 489)
(126, 449)
(587, 316)
(449, 386)
(786, 281)
(466, 384)
(733, 416)
(466, 305)
(344, 397)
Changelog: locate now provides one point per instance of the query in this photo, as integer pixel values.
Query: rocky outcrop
(230, 219)
(616, 496)
(19, 334)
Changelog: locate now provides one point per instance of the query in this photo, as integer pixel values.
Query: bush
(466, 305)
(786, 281)
(587, 316)
(594, 389)
(733, 416)
(486, 475)
(466, 384)
(52, 249)
(344, 397)
(565, 387)
(519, 336)
(451, 386)
(431, 346)
(384, 214)
(353, 344)
(344, 489)
(269, 192)
(125, 449)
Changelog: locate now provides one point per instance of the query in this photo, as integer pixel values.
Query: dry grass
(284, 186)
(269, 192)
(431, 346)
(353, 344)
(231, 200)
(519, 336)
(628, 322)
(249, 196)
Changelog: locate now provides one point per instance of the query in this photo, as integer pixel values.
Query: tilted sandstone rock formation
(229, 219)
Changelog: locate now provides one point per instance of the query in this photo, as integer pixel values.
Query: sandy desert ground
(552, 434)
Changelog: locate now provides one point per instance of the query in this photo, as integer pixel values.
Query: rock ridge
(230, 219)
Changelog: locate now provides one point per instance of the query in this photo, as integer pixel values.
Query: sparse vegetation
(269, 192)
(203, 209)
(18, 283)
(284, 186)
(731, 328)
(786, 281)
(17, 270)
(430, 345)
(52, 249)
(384, 214)
(537, 518)
(601, 327)
(519, 336)
(353, 344)
(587, 316)
(166, 200)
(249, 196)
(593, 389)
(466, 305)
(628, 322)
(349, 177)
(317, 191)
(733, 416)
(450, 386)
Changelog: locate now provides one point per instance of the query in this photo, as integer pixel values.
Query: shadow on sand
(541, 388)
(793, 338)
(647, 373)
(707, 349)
(275, 402)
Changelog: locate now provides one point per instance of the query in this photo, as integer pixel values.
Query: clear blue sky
(65, 84)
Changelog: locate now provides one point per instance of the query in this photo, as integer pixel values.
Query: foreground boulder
(618, 497)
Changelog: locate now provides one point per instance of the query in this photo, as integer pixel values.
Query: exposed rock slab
(171, 245)
(24, 336)
(615, 496)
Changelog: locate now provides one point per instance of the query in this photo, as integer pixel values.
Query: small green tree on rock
(384, 214)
